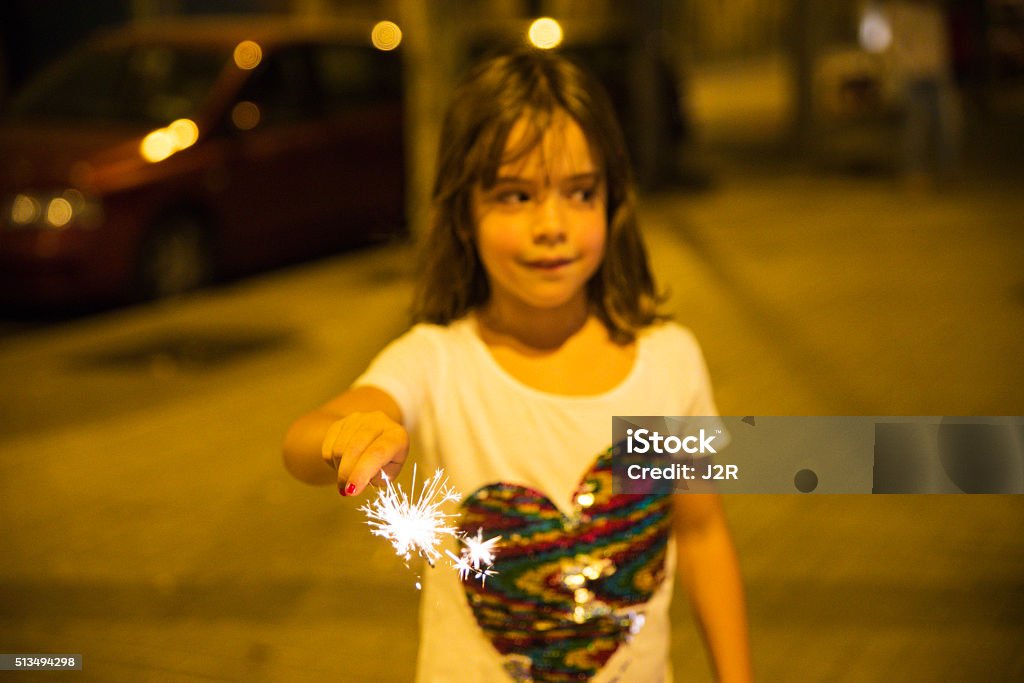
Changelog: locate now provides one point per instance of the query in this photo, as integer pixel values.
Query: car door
(364, 162)
(273, 193)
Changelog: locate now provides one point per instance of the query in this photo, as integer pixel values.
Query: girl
(537, 323)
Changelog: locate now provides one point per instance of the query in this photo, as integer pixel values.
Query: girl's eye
(584, 195)
(513, 197)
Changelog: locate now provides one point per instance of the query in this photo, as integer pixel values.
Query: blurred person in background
(920, 59)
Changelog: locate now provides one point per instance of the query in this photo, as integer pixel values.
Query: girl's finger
(391, 470)
(348, 426)
(327, 446)
(387, 453)
(351, 445)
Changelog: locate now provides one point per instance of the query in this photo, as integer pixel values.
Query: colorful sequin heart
(568, 590)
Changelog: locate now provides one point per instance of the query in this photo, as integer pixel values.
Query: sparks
(478, 551)
(464, 566)
(418, 525)
(476, 558)
(414, 525)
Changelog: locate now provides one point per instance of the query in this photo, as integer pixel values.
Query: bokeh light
(545, 33)
(25, 210)
(59, 212)
(184, 133)
(157, 146)
(163, 142)
(386, 35)
(248, 54)
(875, 32)
(245, 115)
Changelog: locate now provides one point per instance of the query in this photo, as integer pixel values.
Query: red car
(156, 158)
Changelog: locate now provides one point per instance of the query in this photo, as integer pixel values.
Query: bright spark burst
(417, 525)
(479, 551)
(413, 525)
(476, 558)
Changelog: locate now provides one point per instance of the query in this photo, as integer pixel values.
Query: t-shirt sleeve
(701, 397)
(700, 400)
(403, 370)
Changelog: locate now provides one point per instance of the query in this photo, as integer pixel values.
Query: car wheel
(175, 259)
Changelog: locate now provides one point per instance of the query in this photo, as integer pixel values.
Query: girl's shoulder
(671, 346)
(456, 329)
(669, 335)
(426, 338)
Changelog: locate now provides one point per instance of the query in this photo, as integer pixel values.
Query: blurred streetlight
(386, 35)
(163, 142)
(248, 54)
(545, 33)
(875, 31)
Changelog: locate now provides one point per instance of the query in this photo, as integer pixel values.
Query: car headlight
(51, 210)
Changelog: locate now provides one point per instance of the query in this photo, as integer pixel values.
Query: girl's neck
(530, 329)
(564, 355)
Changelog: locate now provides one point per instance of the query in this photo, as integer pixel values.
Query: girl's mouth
(549, 264)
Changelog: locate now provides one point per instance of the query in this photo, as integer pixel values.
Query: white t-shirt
(528, 465)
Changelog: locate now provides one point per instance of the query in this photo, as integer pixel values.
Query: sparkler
(476, 557)
(418, 525)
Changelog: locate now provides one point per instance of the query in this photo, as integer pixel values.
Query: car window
(352, 76)
(146, 84)
(167, 83)
(282, 88)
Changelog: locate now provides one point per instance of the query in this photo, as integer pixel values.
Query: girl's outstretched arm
(709, 569)
(348, 441)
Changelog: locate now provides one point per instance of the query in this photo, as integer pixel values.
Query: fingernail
(350, 490)
(341, 489)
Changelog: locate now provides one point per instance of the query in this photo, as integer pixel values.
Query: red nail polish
(350, 490)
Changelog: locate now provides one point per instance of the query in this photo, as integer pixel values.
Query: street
(149, 525)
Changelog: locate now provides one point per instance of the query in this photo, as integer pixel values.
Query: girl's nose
(549, 223)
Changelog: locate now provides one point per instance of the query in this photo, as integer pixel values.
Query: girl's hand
(360, 446)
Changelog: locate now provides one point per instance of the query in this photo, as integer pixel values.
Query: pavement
(147, 522)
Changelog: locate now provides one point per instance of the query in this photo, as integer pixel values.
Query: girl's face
(541, 227)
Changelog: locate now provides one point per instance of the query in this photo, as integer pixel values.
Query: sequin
(569, 591)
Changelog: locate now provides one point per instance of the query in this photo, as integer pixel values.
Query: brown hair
(532, 85)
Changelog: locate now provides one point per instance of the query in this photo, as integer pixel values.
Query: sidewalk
(822, 291)
(822, 294)
(845, 295)
(150, 526)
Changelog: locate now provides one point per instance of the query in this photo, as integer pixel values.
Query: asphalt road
(147, 522)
